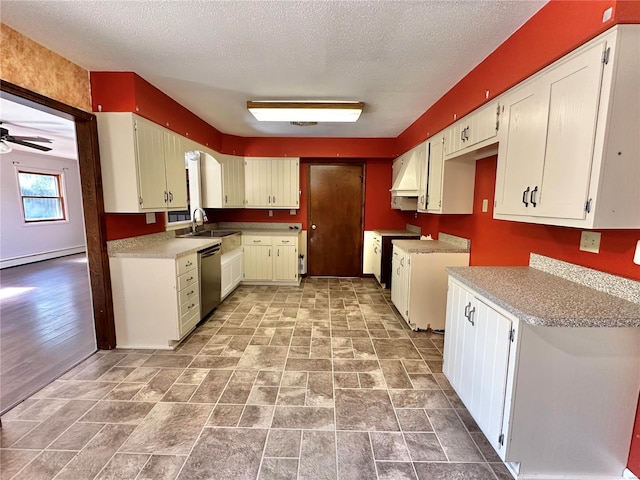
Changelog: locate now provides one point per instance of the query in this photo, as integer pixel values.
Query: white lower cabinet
(155, 300)
(539, 393)
(419, 285)
(270, 259)
(232, 270)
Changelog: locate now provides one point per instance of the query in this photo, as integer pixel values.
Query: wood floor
(46, 324)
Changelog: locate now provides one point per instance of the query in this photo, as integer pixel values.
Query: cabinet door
(285, 262)
(521, 154)
(232, 181)
(150, 163)
(176, 172)
(257, 185)
(405, 280)
(226, 278)
(422, 157)
(434, 188)
(396, 284)
(285, 181)
(258, 262)
(490, 365)
(456, 356)
(237, 269)
(236, 193)
(377, 257)
(485, 123)
(574, 95)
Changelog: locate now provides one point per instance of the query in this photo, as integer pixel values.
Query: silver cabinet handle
(257, 241)
(273, 199)
(471, 312)
(166, 197)
(269, 252)
(170, 197)
(533, 197)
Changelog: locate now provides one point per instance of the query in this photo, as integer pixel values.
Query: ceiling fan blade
(28, 139)
(27, 144)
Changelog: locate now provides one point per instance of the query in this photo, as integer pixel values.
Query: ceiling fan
(26, 141)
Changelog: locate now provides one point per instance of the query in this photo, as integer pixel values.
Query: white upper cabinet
(569, 148)
(222, 181)
(477, 129)
(175, 169)
(450, 183)
(143, 165)
(232, 181)
(272, 182)
(434, 184)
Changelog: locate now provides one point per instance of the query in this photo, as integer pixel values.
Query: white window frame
(63, 194)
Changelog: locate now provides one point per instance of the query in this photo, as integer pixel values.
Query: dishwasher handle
(209, 252)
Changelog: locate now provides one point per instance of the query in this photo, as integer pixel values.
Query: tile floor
(323, 381)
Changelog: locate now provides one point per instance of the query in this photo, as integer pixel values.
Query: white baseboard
(14, 262)
(629, 475)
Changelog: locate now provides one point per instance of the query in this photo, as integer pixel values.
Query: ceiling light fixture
(305, 111)
(4, 147)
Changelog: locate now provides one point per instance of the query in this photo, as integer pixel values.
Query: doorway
(336, 213)
(97, 287)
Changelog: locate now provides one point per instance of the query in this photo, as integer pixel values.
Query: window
(42, 199)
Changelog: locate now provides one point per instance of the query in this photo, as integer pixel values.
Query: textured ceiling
(398, 57)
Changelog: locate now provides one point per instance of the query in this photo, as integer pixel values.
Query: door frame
(93, 206)
(329, 162)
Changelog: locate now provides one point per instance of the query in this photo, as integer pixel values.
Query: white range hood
(406, 171)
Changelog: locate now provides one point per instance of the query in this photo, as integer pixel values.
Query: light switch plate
(636, 257)
(151, 217)
(271, 213)
(485, 205)
(590, 242)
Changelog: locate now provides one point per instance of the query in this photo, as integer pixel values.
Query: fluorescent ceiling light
(277, 111)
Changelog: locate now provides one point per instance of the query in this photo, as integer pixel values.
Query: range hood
(406, 173)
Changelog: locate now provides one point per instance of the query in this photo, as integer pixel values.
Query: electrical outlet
(590, 242)
(150, 217)
(271, 213)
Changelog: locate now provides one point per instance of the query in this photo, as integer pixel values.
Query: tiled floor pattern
(321, 381)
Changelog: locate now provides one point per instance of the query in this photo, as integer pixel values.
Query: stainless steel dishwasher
(210, 278)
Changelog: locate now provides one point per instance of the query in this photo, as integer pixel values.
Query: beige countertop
(169, 248)
(429, 246)
(542, 299)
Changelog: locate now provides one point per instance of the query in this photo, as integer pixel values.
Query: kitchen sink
(209, 233)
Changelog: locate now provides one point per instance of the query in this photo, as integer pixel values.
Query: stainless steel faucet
(194, 221)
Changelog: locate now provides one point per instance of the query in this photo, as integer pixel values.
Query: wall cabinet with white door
(419, 280)
(222, 180)
(449, 183)
(538, 393)
(143, 165)
(272, 182)
(474, 130)
(155, 300)
(271, 258)
(569, 149)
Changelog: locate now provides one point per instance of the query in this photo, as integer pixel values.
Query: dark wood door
(335, 220)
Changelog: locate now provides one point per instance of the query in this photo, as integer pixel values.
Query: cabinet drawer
(285, 240)
(256, 240)
(187, 279)
(188, 322)
(187, 263)
(189, 292)
(187, 308)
